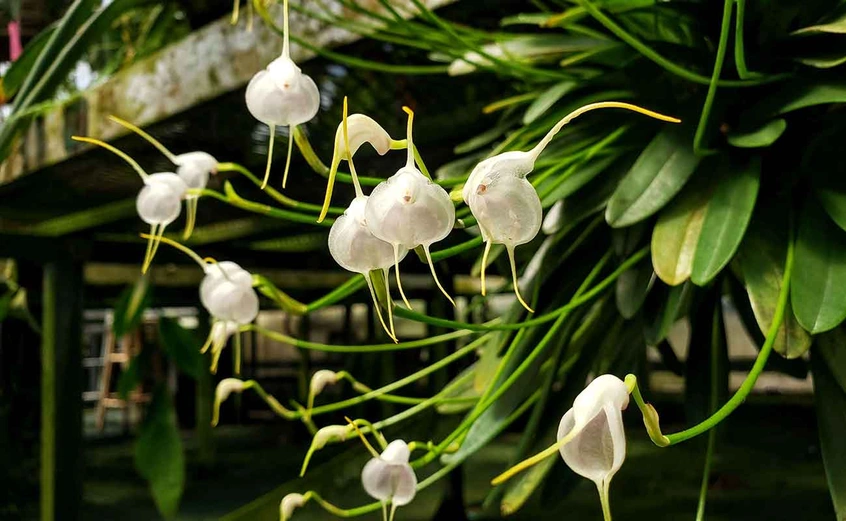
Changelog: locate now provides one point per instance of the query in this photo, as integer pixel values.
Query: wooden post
(61, 391)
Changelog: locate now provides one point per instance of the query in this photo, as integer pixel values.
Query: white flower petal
(598, 450)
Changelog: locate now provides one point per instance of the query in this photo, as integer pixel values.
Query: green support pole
(61, 392)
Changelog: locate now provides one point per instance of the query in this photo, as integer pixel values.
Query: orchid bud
(591, 439)
(193, 168)
(361, 129)
(321, 379)
(324, 436)
(226, 387)
(506, 205)
(290, 503)
(409, 210)
(356, 249)
(281, 95)
(389, 477)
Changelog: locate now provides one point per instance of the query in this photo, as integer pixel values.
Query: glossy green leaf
(676, 234)
(834, 202)
(659, 173)
(726, 219)
(547, 99)
(761, 259)
(182, 346)
(632, 287)
(130, 307)
(796, 96)
(819, 275)
(762, 136)
(830, 401)
(824, 62)
(795, 367)
(159, 457)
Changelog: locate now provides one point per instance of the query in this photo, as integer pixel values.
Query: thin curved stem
(663, 62)
(147, 137)
(740, 46)
(368, 348)
(650, 416)
(576, 302)
(702, 127)
(272, 192)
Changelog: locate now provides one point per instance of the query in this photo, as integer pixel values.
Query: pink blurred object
(15, 47)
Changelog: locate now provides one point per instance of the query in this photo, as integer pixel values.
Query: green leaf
(834, 202)
(661, 170)
(726, 219)
(794, 96)
(762, 136)
(663, 307)
(832, 347)
(676, 234)
(830, 401)
(562, 186)
(819, 275)
(159, 457)
(182, 346)
(20, 68)
(546, 100)
(632, 288)
(761, 259)
(824, 62)
(834, 26)
(130, 307)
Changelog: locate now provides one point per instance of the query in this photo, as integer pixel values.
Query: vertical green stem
(702, 127)
(61, 392)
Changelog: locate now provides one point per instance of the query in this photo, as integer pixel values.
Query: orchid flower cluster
(407, 211)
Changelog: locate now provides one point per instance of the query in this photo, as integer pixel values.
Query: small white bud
(321, 379)
(330, 434)
(226, 387)
(289, 503)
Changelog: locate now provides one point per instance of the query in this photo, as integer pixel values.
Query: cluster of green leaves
(716, 201)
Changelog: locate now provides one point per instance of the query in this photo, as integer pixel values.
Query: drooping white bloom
(227, 294)
(409, 210)
(591, 438)
(226, 387)
(389, 478)
(281, 95)
(355, 248)
(504, 202)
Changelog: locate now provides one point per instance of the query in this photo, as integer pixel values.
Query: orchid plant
(638, 217)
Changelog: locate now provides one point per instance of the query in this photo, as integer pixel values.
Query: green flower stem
(369, 348)
(475, 242)
(232, 198)
(702, 127)
(270, 400)
(419, 160)
(663, 62)
(548, 317)
(469, 348)
(716, 334)
(740, 46)
(341, 292)
(651, 417)
(269, 190)
(491, 397)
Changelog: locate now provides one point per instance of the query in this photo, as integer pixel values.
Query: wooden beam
(206, 64)
(61, 392)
